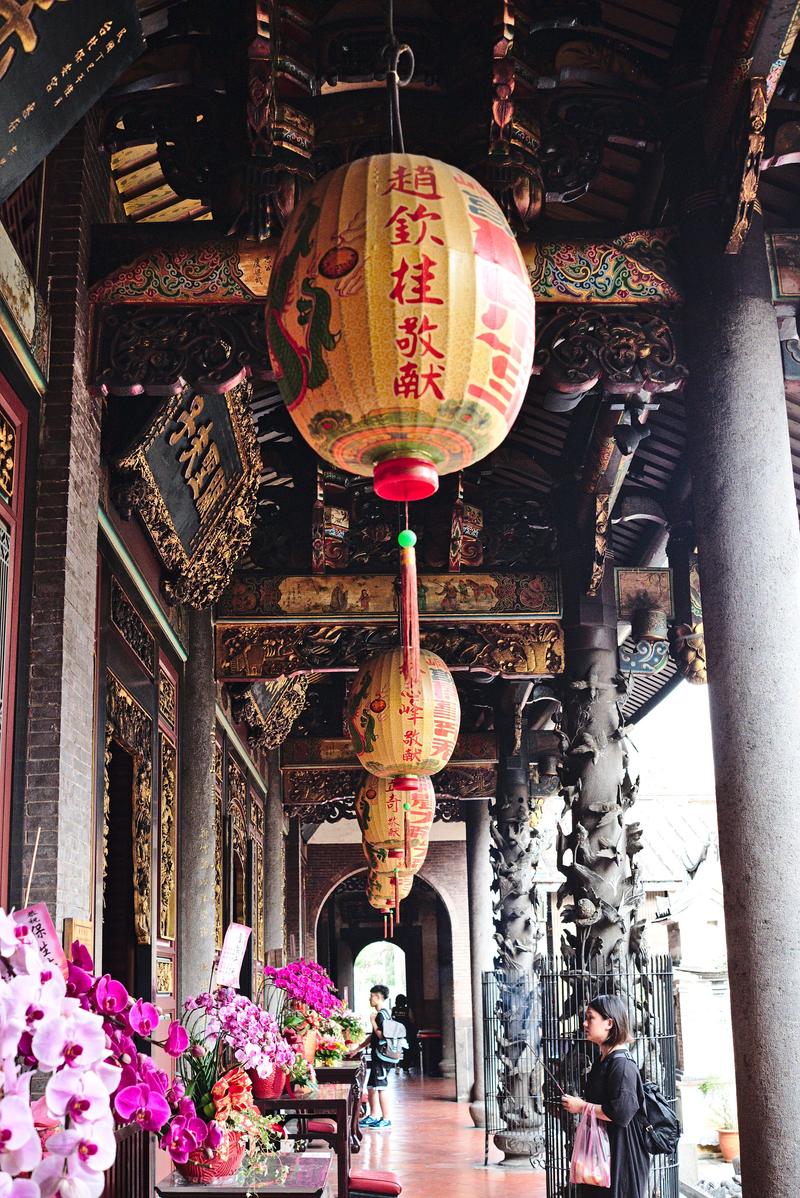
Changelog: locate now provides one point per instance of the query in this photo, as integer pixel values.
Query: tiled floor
(436, 1151)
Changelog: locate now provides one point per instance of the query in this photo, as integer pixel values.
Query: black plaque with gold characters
(57, 57)
(192, 477)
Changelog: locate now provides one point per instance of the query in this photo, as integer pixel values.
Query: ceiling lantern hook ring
(392, 53)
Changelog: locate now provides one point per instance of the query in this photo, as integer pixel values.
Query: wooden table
(332, 1100)
(353, 1071)
(308, 1175)
(345, 1071)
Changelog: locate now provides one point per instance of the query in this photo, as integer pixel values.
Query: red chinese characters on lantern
(416, 338)
(411, 227)
(415, 284)
(421, 181)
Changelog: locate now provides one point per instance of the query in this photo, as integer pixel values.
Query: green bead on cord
(407, 538)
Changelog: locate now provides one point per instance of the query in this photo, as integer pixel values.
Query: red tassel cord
(409, 607)
(397, 897)
(385, 925)
(407, 835)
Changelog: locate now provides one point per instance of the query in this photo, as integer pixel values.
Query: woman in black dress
(615, 1088)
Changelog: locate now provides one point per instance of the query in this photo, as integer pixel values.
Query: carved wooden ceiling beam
(258, 598)
(336, 752)
(307, 790)
(634, 268)
(246, 651)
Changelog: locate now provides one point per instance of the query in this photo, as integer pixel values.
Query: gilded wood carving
(132, 627)
(218, 846)
(374, 596)
(168, 840)
(248, 651)
(131, 727)
(192, 477)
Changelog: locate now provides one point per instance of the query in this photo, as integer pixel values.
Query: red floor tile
(436, 1151)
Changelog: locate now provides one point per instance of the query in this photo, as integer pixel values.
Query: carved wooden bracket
(160, 350)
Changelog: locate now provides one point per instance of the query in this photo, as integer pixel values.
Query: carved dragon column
(515, 853)
(596, 852)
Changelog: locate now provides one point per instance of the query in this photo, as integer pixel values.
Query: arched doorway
(347, 925)
(381, 962)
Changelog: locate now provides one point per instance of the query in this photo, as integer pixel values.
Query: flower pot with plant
(722, 1107)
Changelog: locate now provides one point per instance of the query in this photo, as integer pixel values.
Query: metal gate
(511, 1031)
(646, 986)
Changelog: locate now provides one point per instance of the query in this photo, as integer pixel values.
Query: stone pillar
(274, 859)
(596, 854)
(481, 942)
(749, 556)
(515, 852)
(60, 756)
(197, 874)
(447, 1064)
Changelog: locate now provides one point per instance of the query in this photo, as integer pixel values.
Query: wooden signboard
(192, 477)
(56, 61)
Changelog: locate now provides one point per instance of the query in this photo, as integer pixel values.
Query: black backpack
(660, 1125)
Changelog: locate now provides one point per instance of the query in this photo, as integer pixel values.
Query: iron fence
(646, 986)
(511, 1067)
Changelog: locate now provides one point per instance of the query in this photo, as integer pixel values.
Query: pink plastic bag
(591, 1152)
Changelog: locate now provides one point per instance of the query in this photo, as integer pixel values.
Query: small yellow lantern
(395, 824)
(386, 890)
(402, 727)
(400, 321)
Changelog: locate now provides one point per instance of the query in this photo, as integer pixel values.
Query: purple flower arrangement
(250, 1033)
(306, 985)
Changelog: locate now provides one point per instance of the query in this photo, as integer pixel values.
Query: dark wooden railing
(131, 1175)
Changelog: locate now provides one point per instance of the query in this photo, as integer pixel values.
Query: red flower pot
(268, 1087)
(223, 1163)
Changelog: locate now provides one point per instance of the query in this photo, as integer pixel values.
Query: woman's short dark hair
(400, 1000)
(382, 990)
(611, 1006)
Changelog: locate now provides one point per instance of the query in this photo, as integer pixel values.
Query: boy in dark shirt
(377, 1080)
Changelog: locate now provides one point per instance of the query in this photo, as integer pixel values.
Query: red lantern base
(405, 479)
(405, 782)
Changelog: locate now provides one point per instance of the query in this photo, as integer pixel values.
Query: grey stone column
(749, 552)
(515, 855)
(274, 859)
(196, 875)
(481, 942)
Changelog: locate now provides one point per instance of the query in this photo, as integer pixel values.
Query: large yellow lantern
(403, 727)
(400, 321)
(395, 824)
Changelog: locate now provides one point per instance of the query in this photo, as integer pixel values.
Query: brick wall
(445, 869)
(60, 753)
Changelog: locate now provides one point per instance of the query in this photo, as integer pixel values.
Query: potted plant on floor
(723, 1110)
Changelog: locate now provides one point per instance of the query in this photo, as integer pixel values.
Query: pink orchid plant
(47, 1029)
(302, 992)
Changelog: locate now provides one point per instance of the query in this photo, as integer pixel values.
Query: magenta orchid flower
(143, 1017)
(184, 1135)
(143, 1105)
(81, 956)
(177, 1040)
(111, 997)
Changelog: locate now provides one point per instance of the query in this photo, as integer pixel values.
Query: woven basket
(224, 1163)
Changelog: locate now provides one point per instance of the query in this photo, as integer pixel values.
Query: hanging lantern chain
(393, 51)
